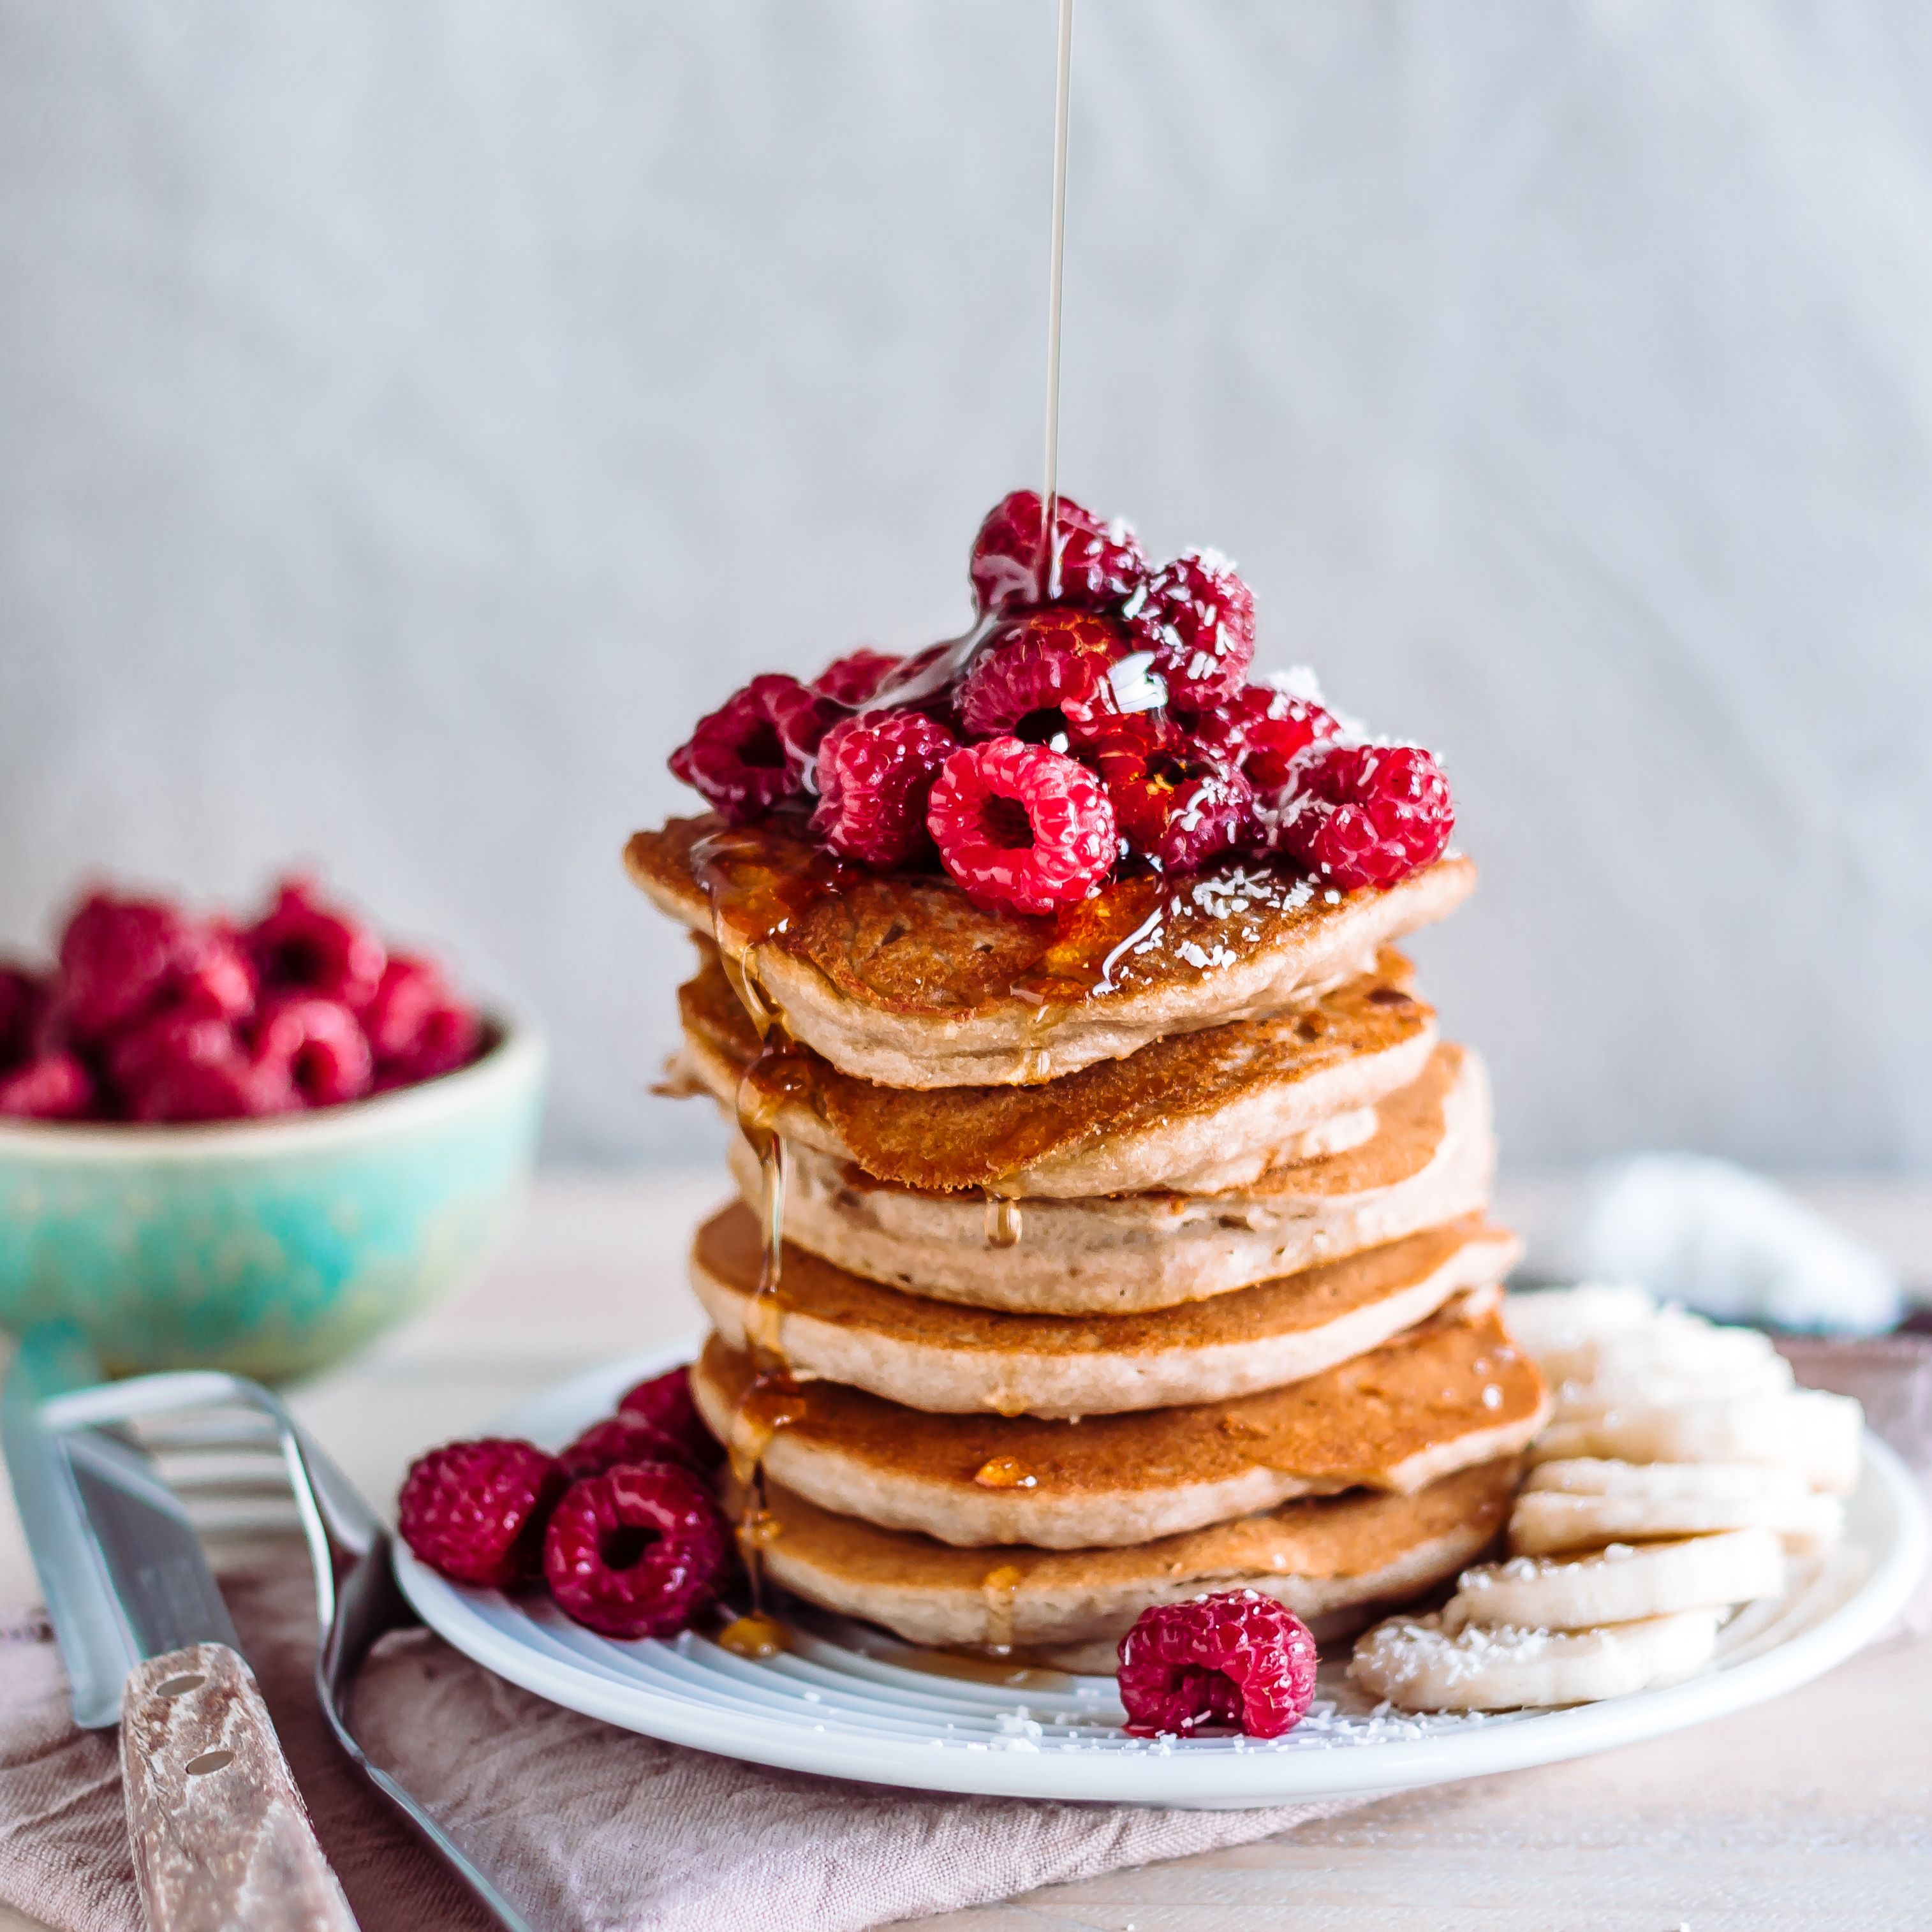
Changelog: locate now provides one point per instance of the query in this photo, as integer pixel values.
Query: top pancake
(1202, 1111)
(900, 979)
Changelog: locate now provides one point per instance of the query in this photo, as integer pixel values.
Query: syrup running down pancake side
(754, 904)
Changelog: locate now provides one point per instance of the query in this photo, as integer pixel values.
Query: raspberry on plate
(624, 1438)
(1176, 802)
(54, 1086)
(1197, 617)
(875, 775)
(305, 943)
(1096, 564)
(665, 1401)
(636, 1552)
(1022, 826)
(1367, 814)
(1262, 729)
(476, 1510)
(855, 678)
(739, 757)
(1234, 1659)
(1045, 679)
(315, 1046)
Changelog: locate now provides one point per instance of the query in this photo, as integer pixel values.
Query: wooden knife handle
(222, 1840)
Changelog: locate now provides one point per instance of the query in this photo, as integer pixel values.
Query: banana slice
(1417, 1665)
(1720, 1376)
(1815, 1433)
(1550, 1318)
(1671, 1343)
(1622, 1584)
(1544, 1521)
(1658, 1482)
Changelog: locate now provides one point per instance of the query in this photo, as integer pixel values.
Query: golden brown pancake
(900, 979)
(1429, 1161)
(1199, 1112)
(1451, 1392)
(1329, 1560)
(940, 1357)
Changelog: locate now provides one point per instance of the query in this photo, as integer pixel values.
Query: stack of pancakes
(1129, 1253)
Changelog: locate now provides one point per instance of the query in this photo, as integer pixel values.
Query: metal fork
(357, 1598)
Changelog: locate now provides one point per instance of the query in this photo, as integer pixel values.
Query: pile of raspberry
(151, 1015)
(622, 1526)
(1098, 715)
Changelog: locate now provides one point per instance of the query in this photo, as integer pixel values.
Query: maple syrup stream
(764, 902)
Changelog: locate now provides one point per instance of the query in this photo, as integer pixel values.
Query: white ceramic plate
(850, 1702)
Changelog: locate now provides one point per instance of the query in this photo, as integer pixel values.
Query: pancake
(938, 1356)
(900, 979)
(1429, 1161)
(1450, 1392)
(1334, 1561)
(1198, 1112)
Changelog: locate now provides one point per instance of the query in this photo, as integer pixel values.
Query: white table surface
(1814, 1812)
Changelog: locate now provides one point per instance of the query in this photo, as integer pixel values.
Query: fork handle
(221, 1839)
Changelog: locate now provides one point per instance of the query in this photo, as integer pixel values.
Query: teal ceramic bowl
(270, 1248)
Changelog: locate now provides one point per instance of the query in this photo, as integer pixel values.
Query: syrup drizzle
(1005, 1472)
(999, 1588)
(1049, 495)
(1004, 1223)
(752, 901)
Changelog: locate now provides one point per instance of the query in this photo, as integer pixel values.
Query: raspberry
(451, 1037)
(742, 756)
(314, 1046)
(408, 992)
(215, 975)
(624, 1438)
(855, 678)
(1044, 679)
(665, 1401)
(303, 943)
(1263, 730)
(116, 957)
(875, 774)
(417, 1028)
(1366, 815)
(183, 1066)
(1178, 804)
(1197, 618)
(1022, 826)
(476, 1510)
(1098, 564)
(637, 1552)
(52, 1087)
(1234, 1658)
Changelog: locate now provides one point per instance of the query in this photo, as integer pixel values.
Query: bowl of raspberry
(248, 1144)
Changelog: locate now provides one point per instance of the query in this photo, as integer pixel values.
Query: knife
(221, 1840)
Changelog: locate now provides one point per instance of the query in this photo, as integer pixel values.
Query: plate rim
(1184, 1774)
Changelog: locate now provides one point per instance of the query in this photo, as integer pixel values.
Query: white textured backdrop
(412, 413)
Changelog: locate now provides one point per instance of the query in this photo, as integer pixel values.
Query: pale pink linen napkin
(592, 1828)
(586, 1827)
